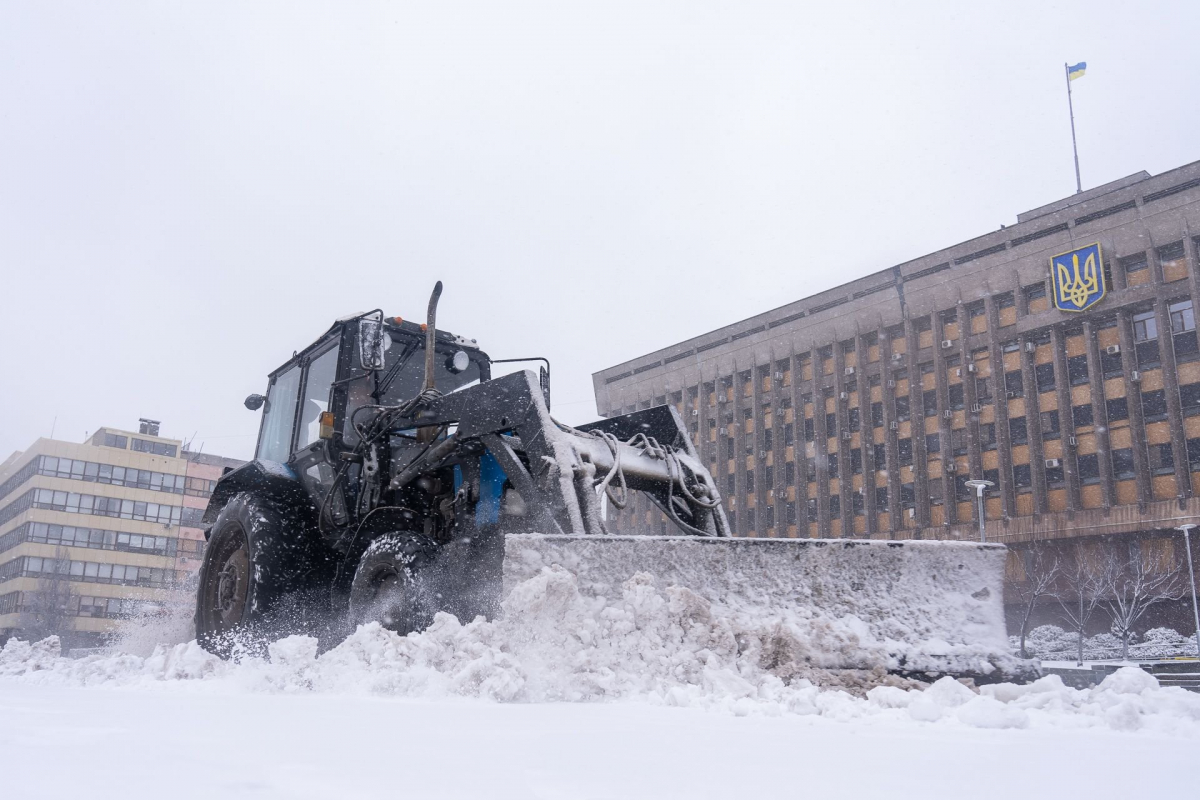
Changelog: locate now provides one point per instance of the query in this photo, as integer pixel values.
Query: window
(749, 480)
(1134, 263)
(854, 418)
(856, 461)
(113, 440)
(808, 429)
(933, 443)
(1122, 462)
(789, 472)
(275, 441)
(880, 456)
(881, 497)
(1162, 460)
(1081, 416)
(1044, 375)
(835, 505)
(1189, 398)
(1183, 328)
(856, 504)
(1154, 405)
(832, 464)
(1034, 292)
(929, 403)
(908, 497)
(957, 402)
(1018, 431)
(1110, 364)
(1005, 300)
(1022, 476)
(157, 448)
(876, 415)
(958, 441)
(1118, 409)
(902, 408)
(1014, 383)
(1049, 423)
(905, 452)
(1193, 454)
(789, 435)
(935, 492)
(987, 436)
(831, 424)
(1055, 477)
(983, 390)
(1077, 370)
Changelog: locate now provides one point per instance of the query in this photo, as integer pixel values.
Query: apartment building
(94, 531)
(864, 410)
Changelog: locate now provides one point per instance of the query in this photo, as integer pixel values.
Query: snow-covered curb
(665, 647)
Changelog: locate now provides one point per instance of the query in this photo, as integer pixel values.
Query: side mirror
(254, 402)
(372, 344)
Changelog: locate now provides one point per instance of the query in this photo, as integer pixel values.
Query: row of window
(93, 472)
(88, 572)
(140, 445)
(77, 606)
(94, 538)
(75, 503)
(1145, 329)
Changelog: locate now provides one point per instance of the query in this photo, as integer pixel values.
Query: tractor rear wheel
(257, 557)
(391, 583)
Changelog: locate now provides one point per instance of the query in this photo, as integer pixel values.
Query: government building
(97, 531)
(864, 410)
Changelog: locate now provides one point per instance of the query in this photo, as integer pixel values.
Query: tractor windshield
(403, 376)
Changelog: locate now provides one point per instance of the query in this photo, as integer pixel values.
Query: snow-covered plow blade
(915, 607)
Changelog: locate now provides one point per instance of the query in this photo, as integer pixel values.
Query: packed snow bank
(917, 606)
(661, 646)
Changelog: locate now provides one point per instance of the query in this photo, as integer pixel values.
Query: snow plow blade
(917, 608)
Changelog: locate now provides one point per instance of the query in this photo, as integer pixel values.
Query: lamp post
(979, 486)
(1187, 545)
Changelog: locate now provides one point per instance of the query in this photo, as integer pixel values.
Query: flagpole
(1074, 147)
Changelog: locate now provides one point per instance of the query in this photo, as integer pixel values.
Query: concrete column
(891, 435)
(800, 448)
(739, 456)
(1166, 345)
(1003, 437)
(916, 402)
(1133, 391)
(820, 448)
(1033, 419)
(866, 435)
(942, 374)
(1099, 414)
(1066, 425)
(845, 479)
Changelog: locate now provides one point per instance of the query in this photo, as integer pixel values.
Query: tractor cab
(317, 402)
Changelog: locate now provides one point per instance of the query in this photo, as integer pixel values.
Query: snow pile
(664, 647)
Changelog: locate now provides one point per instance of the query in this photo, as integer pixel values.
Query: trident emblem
(1078, 279)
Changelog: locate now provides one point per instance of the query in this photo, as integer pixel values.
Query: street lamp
(1187, 545)
(979, 487)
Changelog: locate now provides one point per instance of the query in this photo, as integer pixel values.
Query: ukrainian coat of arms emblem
(1078, 278)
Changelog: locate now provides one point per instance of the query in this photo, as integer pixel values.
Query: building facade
(91, 532)
(863, 411)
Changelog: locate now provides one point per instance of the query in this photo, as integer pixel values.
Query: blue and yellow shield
(1078, 278)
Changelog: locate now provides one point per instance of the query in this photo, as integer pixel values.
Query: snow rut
(665, 646)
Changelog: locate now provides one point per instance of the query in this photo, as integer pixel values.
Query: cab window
(321, 373)
(275, 438)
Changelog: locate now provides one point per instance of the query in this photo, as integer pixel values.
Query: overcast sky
(190, 192)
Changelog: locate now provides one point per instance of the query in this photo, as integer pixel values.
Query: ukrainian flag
(1076, 71)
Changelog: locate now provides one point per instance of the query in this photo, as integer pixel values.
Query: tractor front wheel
(256, 559)
(391, 583)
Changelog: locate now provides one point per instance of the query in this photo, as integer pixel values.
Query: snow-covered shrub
(1164, 643)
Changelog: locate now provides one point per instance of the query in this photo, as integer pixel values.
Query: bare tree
(1131, 588)
(1083, 590)
(1042, 572)
(48, 608)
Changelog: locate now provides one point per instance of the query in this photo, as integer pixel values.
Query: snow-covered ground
(187, 742)
(648, 695)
